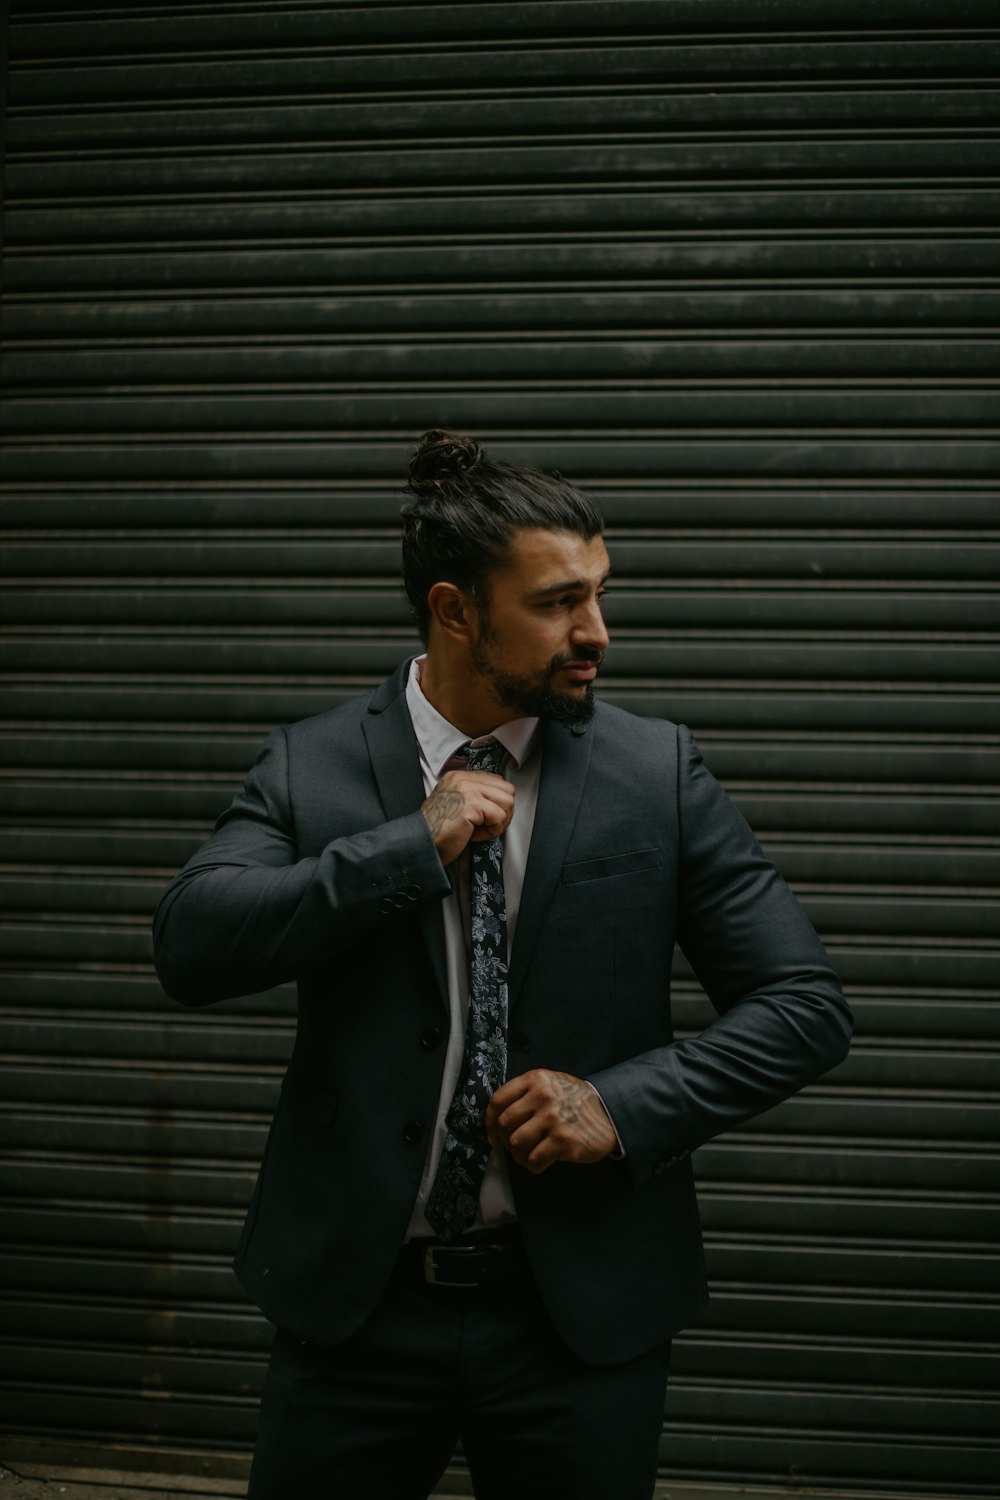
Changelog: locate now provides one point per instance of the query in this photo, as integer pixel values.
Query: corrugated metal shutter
(734, 267)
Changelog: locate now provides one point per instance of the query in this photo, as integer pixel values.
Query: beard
(534, 697)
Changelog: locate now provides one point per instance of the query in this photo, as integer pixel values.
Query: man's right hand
(467, 807)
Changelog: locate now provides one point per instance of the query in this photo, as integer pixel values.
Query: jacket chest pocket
(611, 866)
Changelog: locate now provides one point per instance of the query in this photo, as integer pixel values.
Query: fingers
(543, 1117)
(505, 1095)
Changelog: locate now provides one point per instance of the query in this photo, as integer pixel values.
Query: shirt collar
(439, 740)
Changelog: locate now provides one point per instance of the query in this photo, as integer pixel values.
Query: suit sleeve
(246, 913)
(783, 1020)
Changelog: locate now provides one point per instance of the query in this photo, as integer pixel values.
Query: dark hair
(466, 509)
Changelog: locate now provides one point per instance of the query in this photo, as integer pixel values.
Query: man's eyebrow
(571, 586)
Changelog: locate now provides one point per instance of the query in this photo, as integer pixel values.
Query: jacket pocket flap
(611, 864)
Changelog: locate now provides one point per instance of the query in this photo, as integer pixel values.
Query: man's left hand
(544, 1117)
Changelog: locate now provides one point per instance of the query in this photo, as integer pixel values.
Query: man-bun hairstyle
(465, 510)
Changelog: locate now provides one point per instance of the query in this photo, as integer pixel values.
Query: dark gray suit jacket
(323, 871)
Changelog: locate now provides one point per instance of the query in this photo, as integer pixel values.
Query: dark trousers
(377, 1417)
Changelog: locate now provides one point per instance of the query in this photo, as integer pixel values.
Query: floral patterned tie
(454, 1196)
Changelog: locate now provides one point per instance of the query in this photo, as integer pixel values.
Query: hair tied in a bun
(442, 459)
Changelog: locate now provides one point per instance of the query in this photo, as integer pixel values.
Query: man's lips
(580, 671)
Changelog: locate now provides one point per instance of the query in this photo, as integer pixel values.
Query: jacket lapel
(395, 762)
(566, 760)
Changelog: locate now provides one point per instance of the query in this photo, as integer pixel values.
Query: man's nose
(590, 629)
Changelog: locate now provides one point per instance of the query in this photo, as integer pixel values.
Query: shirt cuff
(619, 1153)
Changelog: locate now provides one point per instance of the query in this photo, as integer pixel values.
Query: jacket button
(399, 900)
(412, 1131)
(430, 1038)
(414, 892)
(386, 906)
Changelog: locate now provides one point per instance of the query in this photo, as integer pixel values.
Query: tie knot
(486, 757)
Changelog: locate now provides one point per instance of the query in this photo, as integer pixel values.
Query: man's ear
(453, 610)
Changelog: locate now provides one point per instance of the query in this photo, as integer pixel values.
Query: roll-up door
(732, 265)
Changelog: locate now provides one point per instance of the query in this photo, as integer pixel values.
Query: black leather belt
(482, 1259)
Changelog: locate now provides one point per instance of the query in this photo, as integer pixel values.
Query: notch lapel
(566, 761)
(395, 762)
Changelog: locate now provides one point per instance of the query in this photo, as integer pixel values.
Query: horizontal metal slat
(913, 962)
(823, 1405)
(381, 69)
(155, 1418)
(159, 1135)
(840, 208)
(203, 1087)
(171, 1035)
(889, 914)
(915, 1014)
(850, 1117)
(896, 1165)
(273, 363)
(645, 557)
(829, 261)
(950, 1219)
(710, 707)
(118, 1227)
(168, 1189)
(493, 167)
(121, 941)
(945, 1318)
(38, 35)
(960, 311)
(127, 1276)
(74, 1319)
(970, 103)
(955, 414)
(956, 1469)
(870, 1362)
(807, 456)
(167, 848)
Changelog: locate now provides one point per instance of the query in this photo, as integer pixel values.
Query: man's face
(541, 636)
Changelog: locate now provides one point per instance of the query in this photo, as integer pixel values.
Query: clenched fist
(544, 1117)
(467, 807)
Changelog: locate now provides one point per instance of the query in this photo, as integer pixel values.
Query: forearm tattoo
(442, 806)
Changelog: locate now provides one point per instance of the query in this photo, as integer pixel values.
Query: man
(475, 1217)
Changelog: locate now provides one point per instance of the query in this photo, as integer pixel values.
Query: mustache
(588, 654)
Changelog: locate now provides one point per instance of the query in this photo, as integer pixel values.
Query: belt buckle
(431, 1272)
